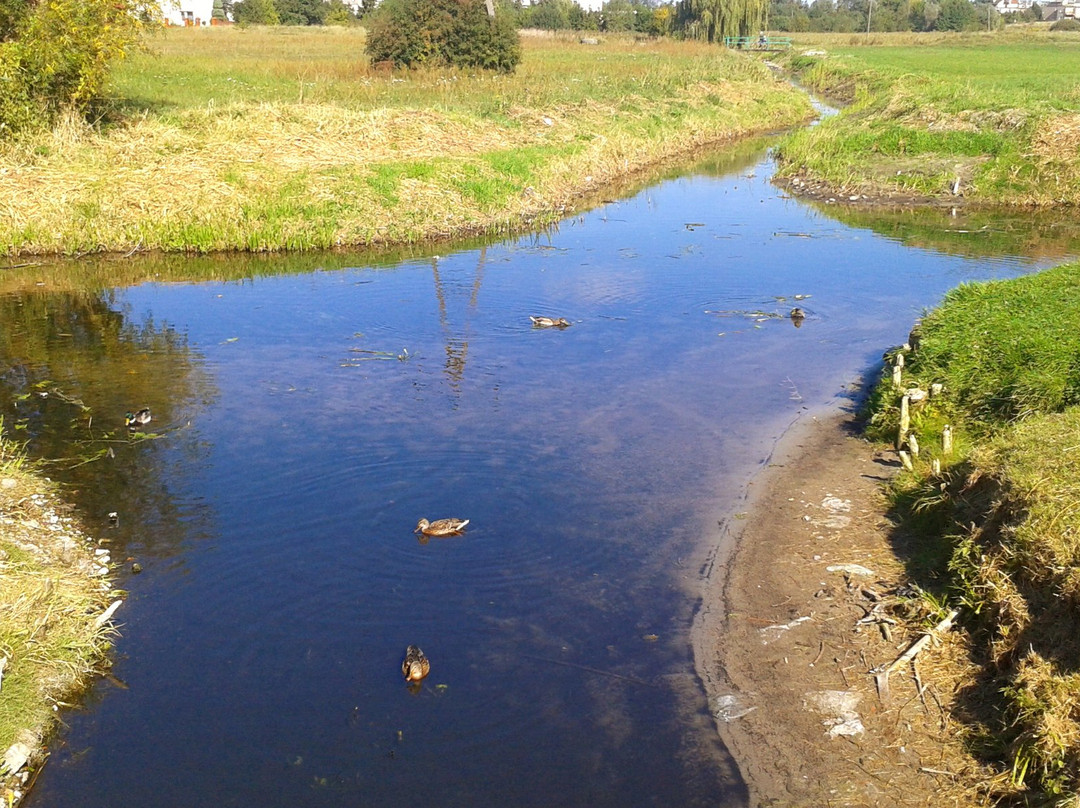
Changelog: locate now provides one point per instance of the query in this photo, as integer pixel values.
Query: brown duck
(415, 666)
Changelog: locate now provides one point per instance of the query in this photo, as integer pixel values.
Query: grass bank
(54, 620)
(1000, 519)
(285, 138)
(977, 118)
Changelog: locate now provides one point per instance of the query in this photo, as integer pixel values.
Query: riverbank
(274, 139)
(965, 514)
(56, 606)
(956, 119)
(786, 660)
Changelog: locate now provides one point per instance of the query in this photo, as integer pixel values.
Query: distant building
(1052, 12)
(187, 12)
(1013, 6)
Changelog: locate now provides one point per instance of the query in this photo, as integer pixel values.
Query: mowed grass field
(991, 118)
(286, 138)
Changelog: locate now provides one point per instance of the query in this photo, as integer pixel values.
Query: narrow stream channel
(308, 410)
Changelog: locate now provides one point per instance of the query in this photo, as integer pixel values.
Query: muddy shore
(783, 654)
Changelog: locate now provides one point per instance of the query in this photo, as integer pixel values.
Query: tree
(301, 12)
(255, 12)
(617, 15)
(57, 54)
(337, 13)
(458, 33)
(551, 15)
(956, 15)
(712, 20)
(218, 12)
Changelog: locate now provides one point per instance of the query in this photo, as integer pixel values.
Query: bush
(57, 54)
(1066, 25)
(456, 33)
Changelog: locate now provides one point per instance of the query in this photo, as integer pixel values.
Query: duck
(441, 527)
(415, 666)
(797, 316)
(549, 322)
(140, 418)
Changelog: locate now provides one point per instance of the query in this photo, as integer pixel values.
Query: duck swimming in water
(797, 316)
(550, 322)
(140, 418)
(441, 527)
(415, 666)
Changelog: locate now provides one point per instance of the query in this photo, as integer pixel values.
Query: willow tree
(713, 20)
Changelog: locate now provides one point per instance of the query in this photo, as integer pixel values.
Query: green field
(991, 118)
(286, 138)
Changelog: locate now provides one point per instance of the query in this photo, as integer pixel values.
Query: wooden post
(898, 375)
(913, 444)
(935, 467)
(905, 460)
(946, 440)
(905, 420)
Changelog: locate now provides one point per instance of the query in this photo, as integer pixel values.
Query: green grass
(1000, 523)
(285, 138)
(998, 114)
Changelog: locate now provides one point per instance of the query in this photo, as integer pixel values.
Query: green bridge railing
(759, 43)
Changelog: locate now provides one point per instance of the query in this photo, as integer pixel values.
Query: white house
(187, 12)
(1012, 6)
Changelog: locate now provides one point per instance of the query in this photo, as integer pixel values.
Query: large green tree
(256, 12)
(956, 15)
(712, 20)
(301, 12)
(458, 33)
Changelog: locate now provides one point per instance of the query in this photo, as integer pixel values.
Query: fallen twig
(881, 673)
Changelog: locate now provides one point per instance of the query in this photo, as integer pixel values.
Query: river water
(308, 410)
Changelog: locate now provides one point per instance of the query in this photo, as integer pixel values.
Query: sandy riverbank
(785, 660)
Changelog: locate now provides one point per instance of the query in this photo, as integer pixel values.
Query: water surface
(309, 410)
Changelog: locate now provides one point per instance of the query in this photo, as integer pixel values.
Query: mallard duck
(140, 418)
(441, 527)
(797, 316)
(549, 322)
(415, 666)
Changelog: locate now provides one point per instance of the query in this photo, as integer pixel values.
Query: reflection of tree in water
(457, 345)
(71, 365)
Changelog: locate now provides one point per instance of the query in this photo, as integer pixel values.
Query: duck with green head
(137, 419)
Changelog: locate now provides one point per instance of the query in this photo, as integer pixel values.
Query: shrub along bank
(1001, 518)
(977, 118)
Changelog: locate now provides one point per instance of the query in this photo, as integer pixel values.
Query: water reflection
(334, 402)
(75, 362)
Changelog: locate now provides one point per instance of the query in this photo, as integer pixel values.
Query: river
(309, 409)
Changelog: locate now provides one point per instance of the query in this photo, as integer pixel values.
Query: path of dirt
(785, 660)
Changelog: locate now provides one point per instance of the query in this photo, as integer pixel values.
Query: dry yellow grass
(53, 590)
(361, 158)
